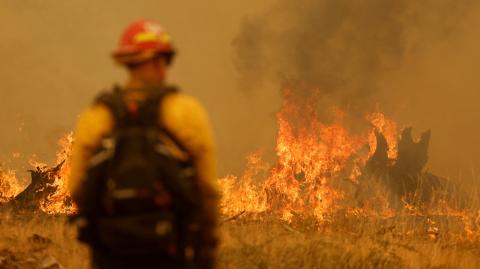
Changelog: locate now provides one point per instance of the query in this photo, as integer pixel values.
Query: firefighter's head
(146, 51)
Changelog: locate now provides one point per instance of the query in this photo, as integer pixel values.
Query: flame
(10, 186)
(60, 202)
(389, 130)
(245, 194)
(310, 156)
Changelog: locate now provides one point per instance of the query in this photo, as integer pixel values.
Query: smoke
(416, 61)
(341, 47)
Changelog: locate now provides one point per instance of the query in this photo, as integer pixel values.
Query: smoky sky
(341, 47)
(416, 60)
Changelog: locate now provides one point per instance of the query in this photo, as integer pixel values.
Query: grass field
(400, 242)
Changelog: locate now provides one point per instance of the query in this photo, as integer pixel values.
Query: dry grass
(407, 240)
(367, 245)
(30, 241)
(401, 242)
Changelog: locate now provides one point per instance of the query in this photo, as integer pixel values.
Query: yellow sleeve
(187, 120)
(94, 124)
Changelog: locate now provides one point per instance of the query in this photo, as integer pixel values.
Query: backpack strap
(152, 106)
(149, 110)
(114, 100)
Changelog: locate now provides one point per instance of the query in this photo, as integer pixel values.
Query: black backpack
(138, 198)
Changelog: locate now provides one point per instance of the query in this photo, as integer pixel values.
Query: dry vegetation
(404, 241)
(39, 241)
(351, 244)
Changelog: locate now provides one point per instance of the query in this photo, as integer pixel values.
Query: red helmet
(143, 40)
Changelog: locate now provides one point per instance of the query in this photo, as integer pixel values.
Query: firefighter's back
(143, 167)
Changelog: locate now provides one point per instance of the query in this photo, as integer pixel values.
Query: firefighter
(146, 51)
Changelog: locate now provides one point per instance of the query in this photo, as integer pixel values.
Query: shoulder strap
(153, 104)
(113, 99)
(150, 110)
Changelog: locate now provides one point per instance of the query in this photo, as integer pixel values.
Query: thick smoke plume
(342, 47)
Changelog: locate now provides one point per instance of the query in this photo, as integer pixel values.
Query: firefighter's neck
(136, 83)
(149, 74)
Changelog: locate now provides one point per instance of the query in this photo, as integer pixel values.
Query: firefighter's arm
(93, 125)
(187, 120)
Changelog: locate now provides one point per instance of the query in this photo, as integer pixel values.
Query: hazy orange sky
(416, 62)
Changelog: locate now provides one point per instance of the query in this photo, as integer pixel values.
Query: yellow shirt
(181, 114)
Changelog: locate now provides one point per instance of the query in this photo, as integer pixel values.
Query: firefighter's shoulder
(95, 122)
(186, 117)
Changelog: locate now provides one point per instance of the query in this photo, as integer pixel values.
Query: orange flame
(59, 202)
(10, 186)
(56, 203)
(310, 155)
(388, 128)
